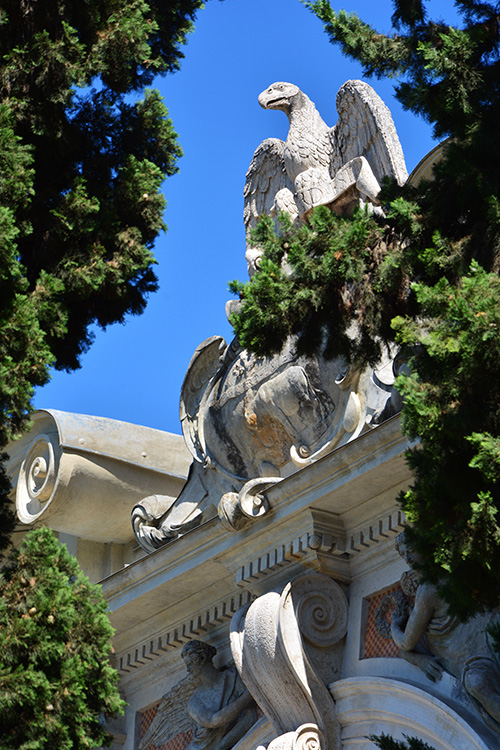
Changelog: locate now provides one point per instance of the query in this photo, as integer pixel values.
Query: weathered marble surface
(246, 418)
(220, 707)
(250, 424)
(306, 737)
(287, 647)
(378, 705)
(70, 469)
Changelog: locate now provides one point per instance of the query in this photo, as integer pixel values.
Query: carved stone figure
(221, 707)
(461, 648)
(214, 699)
(318, 165)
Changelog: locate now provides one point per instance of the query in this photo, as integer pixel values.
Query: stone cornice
(197, 626)
(324, 549)
(324, 517)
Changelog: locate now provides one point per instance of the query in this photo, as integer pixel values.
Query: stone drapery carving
(461, 648)
(287, 646)
(319, 165)
(248, 421)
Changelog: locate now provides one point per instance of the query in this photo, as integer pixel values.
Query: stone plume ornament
(249, 421)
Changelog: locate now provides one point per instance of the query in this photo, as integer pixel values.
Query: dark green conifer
(385, 742)
(84, 148)
(56, 682)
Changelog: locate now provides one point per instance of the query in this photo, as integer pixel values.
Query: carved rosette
(288, 647)
(37, 478)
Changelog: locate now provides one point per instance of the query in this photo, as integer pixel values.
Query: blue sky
(134, 372)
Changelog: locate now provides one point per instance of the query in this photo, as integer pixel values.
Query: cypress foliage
(56, 683)
(385, 742)
(425, 278)
(84, 148)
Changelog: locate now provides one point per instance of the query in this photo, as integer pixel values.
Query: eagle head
(279, 96)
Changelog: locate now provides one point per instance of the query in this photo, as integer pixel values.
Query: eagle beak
(272, 100)
(263, 99)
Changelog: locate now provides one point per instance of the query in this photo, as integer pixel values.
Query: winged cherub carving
(318, 165)
(214, 699)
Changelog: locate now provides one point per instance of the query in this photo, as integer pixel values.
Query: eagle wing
(171, 717)
(266, 177)
(365, 128)
(204, 365)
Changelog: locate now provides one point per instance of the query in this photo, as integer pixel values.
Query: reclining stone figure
(463, 649)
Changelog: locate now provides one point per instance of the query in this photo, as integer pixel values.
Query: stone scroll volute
(287, 646)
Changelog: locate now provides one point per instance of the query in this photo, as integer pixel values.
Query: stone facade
(268, 533)
(329, 535)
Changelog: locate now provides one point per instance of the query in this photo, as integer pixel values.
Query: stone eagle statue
(318, 165)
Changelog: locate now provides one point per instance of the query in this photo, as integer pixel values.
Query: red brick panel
(374, 643)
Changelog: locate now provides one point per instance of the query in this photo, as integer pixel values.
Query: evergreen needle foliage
(385, 742)
(425, 278)
(56, 683)
(84, 148)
